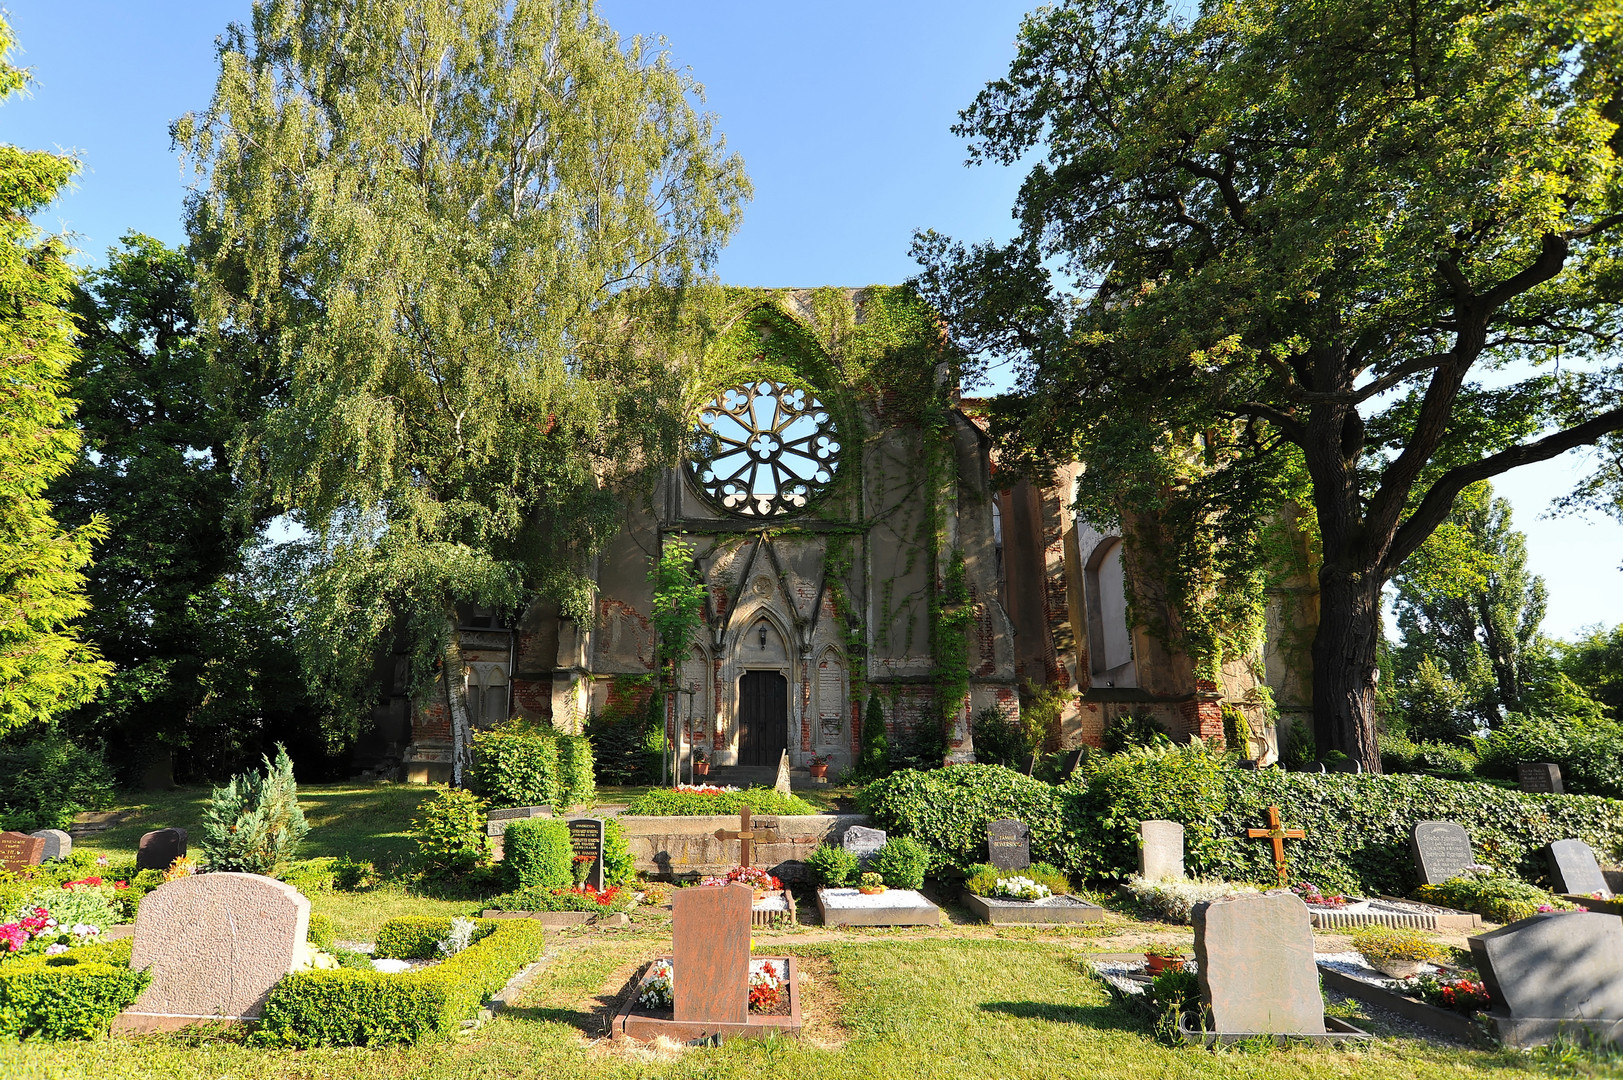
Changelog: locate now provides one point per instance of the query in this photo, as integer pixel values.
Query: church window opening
(765, 448)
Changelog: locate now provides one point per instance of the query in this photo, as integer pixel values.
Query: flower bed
(773, 1005)
(663, 802)
(1448, 1002)
(586, 899)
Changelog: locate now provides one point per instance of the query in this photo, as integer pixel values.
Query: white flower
(53, 950)
(1022, 888)
(84, 930)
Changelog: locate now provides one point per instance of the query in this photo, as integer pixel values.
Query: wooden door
(763, 717)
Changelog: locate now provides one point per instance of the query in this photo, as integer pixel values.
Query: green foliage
(619, 865)
(1432, 703)
(1449, 760)
(948, 810)
(1496, 897)
(952, 617)
(678, 604)
(832, 866)
(999, 740)
(516, 764)
(1134, 730)
(367, 1008)
(94, 905)
(1182, 783)
(577, 784)
(541, 898)
(873, 760)
(71, 996)
(45, 669)
(320, 932)
(902, 863)
(1236, 730)
(663, 802)
(626, 736)
(1380, 944)
(417, 937)
(254, 822)
(49, 779)
(1595, 664)
(536, 853)
(982, 878)
(449, 831)
(1590, 754)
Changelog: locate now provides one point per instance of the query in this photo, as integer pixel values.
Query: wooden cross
(745, 836)
(1278, 836)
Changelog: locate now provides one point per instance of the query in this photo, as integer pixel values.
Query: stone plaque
(710, 931)
(1540, 777)
(1566, 965)
(1257, 969)
(1441, 850)
(586, 838)
(215, 944)
(58, 844)
(159, 848)
(1575, 870)
(1160, 850)
(1009, 844)
(497, 821)
(862, 842)
(18, 850)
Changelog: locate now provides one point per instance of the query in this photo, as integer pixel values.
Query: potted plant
(701, 763)
(1396, 952)
(818, 766)
(870, 884)
(1159, 957)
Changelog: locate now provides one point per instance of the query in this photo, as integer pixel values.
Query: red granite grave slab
(710, 928)
(18, 850)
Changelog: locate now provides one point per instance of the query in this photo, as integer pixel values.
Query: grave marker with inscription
(58, 844)
(1575, 870)
(863, 842)
(497, 821)
(18, 850)
(1540, 777)
(1441, 850)
(586, 839)
(1008, 843)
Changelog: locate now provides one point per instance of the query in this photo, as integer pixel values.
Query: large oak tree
(1374, 240)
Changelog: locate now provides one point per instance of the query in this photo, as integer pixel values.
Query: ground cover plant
(661, 802)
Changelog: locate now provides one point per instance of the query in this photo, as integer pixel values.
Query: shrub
(450, 833)
(998, 740)
(1590, 753)
(537, 852)
(362, 1008)
(901, 863)
(321, 932)
(613, 898)
(48, 780)
(1383, 944)
(947, 810)
(1399, 754)
(873, 760)
(516, 764)
(417, 937)
(1501, 899)
(831, 865)
(664, 802)
(576, 785)
(94, 905)
(1175, 901)
(626, 736)
(1133, 731)
(1165, 782)
(619, 865)
(71, 996)
(982, 878)
(254, 822)
(310, 875)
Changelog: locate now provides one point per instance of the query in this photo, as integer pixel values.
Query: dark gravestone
(710, 929)
(1009, 844)
(159, 848)
(18, 850)
(1028, 763)
(497, 821)
(1562, 966)
(1540, 777)
(1441, 850)
(586, 838)
(862, 842)
(1073, 761)
(1574, 869)
(1257, 969)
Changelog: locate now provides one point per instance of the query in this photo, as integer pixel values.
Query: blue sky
(840, 109)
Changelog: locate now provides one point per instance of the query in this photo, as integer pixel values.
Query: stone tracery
(765, 448)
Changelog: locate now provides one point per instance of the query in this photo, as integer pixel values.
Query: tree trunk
(1344, 666)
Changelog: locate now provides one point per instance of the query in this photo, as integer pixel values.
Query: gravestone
(586, 840)
(1575, 870)
(215, 945)
(1441, 850)
(863, 842)
(1257, 969)
(1028, 763)
(1540, 777)
(497, 821)
(1008, 842)
(1073, 761)
(18, 850)
(710, 930)
(1555, 966)
(1160, 850)
(781, 785)
(159, 848)
(58, 844)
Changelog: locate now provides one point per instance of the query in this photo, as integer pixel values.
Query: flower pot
(818, 770)
(1398, 969)
(762, 894)
(870, 890)
(1154, 965)
(701, 768)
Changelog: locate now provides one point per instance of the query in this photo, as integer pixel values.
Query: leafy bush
(664, 802)
(311, 875)
(948, 810)
(619, 865)
(576, 784)
(1164, 782)
(94, 905)
(626, 736)
(1134, 731)
(902, 863)
(254, 822)
(321, 932)
(1175, 900)
(1496, 897)
(1383, 944)
(450, 833)
(363, 1008)
(1399, 754)
(537, 852)
(832, 866)
(48, 780)
(998, 740)
(1590, 754)
(982, 878)
(613, 898)
(71, 996)
(516, 764)
(417, 937)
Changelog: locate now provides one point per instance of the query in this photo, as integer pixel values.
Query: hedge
(537, 852)
(664, 802)
(518, 764)
(71, 996)
(345, 1007)
(1357, 826)
(417, 937)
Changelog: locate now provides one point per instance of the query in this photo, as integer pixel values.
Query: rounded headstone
(160, 848)
(58, 844)
(1160, 850)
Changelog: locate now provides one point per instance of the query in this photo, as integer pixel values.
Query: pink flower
(101, 860)
(13, 936)
(57, 948)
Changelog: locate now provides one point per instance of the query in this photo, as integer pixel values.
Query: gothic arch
(1110, 638)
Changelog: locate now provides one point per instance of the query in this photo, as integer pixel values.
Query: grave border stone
(907, 907)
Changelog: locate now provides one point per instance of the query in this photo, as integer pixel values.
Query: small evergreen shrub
(516, 764)
(48, 779)
(310, 875)
(254, 822)
(450, 833)
(536, 853)
(998, 740)
(873, 760)
(1501, 899)
(576, 785)
(831, 866)
(619, 865)
(321, 932)
(902, 863)
(664, 802)
(74, 995)
(417, 937)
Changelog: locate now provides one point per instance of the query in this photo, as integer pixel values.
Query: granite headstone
(1540, 777)
(18, 850)
(159, 848)
(586, 840)
(1160, 850)
(497, 821)
(58, 844)
(1575, 870)
(1441, 850)
(1009, 844)
(710, 930)
(1257, 970)
(1558, 965)
(863, 842)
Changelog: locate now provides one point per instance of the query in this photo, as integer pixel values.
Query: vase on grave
(1154, 963)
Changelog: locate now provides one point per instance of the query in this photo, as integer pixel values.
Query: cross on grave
(1278, 836)
(747, 835)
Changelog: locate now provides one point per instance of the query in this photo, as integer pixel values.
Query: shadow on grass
(1106, 1015)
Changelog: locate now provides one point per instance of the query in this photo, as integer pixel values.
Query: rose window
(765, 448)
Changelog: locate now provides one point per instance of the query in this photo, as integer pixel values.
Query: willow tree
(460, 233)
(1370, 240)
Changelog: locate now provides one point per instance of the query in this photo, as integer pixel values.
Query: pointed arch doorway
(763, 717)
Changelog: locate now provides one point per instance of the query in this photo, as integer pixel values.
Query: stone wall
(672, 847)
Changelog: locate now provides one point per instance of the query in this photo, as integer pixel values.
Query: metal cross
(745, 837)
(1278, 836)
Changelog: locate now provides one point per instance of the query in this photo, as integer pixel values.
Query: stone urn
(1398, 969)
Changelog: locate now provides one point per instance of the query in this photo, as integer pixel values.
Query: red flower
(121, 884)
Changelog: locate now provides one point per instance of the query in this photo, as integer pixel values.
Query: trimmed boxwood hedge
(345, 1007)
(71, 996)
(537, 852)
(1357, 826)
(664, 802)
